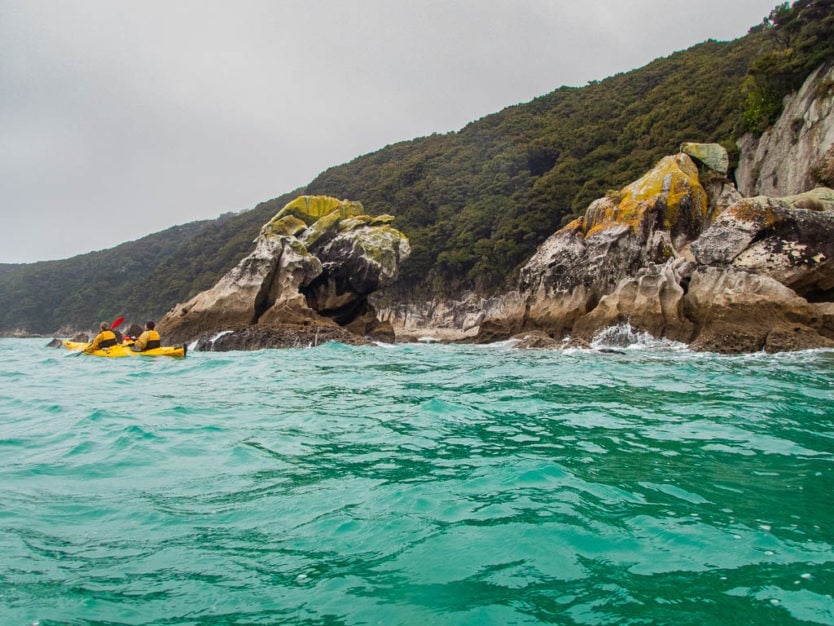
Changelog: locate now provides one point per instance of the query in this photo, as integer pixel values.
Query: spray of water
(624, 337)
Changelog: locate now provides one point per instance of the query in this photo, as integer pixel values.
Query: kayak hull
(123, 350)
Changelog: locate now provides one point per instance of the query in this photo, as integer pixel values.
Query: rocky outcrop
(645, 224)
(797, 153)
(790, 239)
(314, 266)
(686, 260)
(713, 156)
(683, 254)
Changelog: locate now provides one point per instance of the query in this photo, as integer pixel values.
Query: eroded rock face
(741, 311)
(314, 265)
(652, 301)
(796, 154)
(682, 254)
(446, 320)
(709, 268)
(789, 239)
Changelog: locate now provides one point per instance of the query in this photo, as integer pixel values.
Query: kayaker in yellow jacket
(148, 340)
(104, 339)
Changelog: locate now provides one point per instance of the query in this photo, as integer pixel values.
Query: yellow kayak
(123, 349)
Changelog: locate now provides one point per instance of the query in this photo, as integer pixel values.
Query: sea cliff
(683, 253)
(679, 254)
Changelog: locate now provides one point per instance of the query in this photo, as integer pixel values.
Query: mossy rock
(310, 209)
(352, 223)
(322, 226)
(286, 226)
(298, 247)
(674, 181)
(819, 199)
(382, 243)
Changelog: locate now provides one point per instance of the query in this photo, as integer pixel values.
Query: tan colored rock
(739, 311)
(232, 302)
(557, 313)
(823, 318)
(651, 302)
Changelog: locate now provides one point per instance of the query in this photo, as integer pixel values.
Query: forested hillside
(474, 203)
(42, 297)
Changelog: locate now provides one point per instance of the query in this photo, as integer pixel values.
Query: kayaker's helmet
(104, 326)
(149, 325)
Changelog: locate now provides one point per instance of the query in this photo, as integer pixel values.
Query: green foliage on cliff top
(474, 203)
(800, 38)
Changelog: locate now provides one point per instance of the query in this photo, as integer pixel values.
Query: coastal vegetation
(475, 203)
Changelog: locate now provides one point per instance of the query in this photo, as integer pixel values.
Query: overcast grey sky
(119, 119)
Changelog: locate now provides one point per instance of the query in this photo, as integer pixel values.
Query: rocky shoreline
(679, 254)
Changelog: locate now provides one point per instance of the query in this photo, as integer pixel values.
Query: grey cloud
(119, 119)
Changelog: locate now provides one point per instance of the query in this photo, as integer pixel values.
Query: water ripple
(416, 484)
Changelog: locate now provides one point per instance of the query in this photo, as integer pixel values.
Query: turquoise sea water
(416, 484)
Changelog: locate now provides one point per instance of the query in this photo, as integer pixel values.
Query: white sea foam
(220, 334)
(623, 336)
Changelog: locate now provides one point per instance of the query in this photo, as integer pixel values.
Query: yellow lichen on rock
(674, 180)
(573, 225)
(352, 223)
(757, 210)
(286, 226)
(321, 226)
(312, 208)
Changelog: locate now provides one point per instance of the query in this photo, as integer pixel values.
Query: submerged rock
(314, 266)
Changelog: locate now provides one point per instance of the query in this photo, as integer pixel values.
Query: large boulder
(313, 268)
(646, 223)
(790, 239)
(712, 155)
(741, 311)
